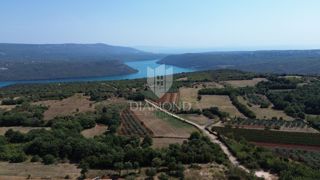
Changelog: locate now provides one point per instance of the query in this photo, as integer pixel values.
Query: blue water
(141, 66)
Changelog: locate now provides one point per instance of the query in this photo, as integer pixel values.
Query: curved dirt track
(214, 139)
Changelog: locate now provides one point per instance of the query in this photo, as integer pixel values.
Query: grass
(173, 121)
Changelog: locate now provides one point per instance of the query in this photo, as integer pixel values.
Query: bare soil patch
(38, 170)
(69, 106)
(7, 107)
(245, 83)
(99, 129)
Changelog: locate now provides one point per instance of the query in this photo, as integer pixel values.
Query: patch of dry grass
(164, 127)
(99, 129)
(244, 83)
(165, 142)
(265, 113)
(69, 106)
(21, 129)
(38, 170)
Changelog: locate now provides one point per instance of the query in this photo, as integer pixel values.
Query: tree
(48, 159)
(151, 172)
(147, 142)
(195, 135)
(156, 162)
(163, 176)
(136, 166)
(127, 166)
(118, 166)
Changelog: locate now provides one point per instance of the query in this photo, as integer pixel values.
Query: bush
(48, 159)
(18, 157)
(35, 158)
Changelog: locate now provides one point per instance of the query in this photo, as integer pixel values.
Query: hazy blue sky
(164, 23)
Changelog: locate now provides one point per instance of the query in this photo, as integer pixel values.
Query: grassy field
(99, 129)
(165, 142)
(37, 170)
(222, 102)
(244, 83)
(162, 125)
(265, 113)
(190, 95)
(68, 106)
(198, 119)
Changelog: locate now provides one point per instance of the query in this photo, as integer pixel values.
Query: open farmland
(265, 113)
(274, 125)
(38, 170)
(198, 119)
(131, 125)
(244, 83)
(97, 130)
(222, 102)
(162, 125)
(190, 95)
(165, 142)
(69, 106)
(169, 98)
(277, 137)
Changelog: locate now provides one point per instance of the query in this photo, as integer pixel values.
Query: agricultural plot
(169, 98)
(222, 102)
(190, 95)
(244, 83)
(69, 106)
(165, 142)
(198, 119)
(99, 129)
(273, 124)
(265, 113)
(131, 125)
(276, 137)
(162, 125)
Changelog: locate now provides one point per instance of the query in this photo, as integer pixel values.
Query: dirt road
(214, 139)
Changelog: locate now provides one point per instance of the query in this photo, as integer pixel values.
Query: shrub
(48, 159)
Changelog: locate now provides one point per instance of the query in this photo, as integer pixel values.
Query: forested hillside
(294, 62)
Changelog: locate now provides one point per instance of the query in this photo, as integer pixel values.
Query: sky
(160, 25)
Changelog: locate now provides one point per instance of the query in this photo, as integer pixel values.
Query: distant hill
(287, 61)
(52, 61)
(61, 69)
(79, 52)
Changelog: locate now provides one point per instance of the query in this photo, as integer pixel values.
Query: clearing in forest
(69, 106)
(244, 83)
(265, 113)
(97, 130)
